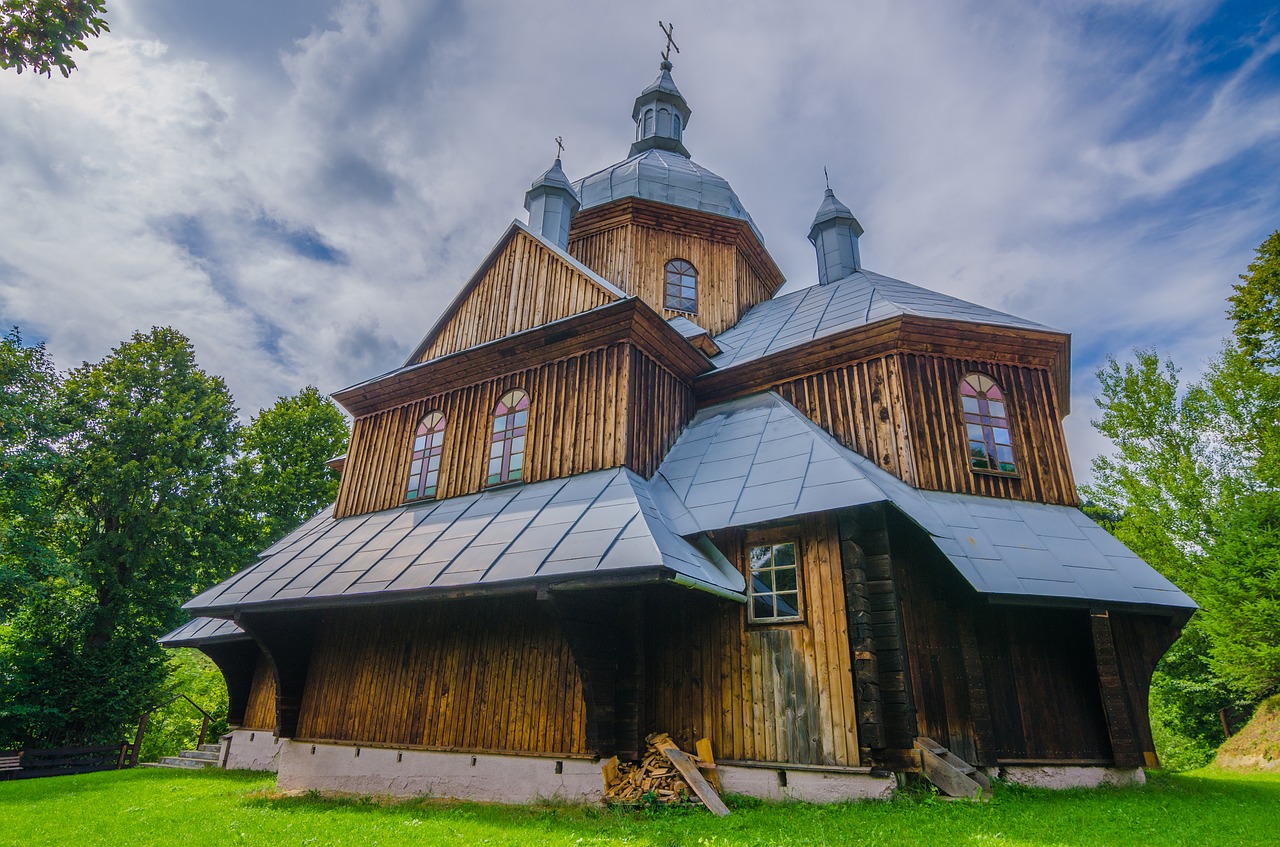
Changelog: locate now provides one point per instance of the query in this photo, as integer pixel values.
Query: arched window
(506, 446)
(986, 421)
(675, 119)
(664, 123)
(648, 122)
(424, 466)
(682, 286)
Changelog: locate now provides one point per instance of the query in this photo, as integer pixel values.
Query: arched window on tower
(986, 421)
(664, 123)
(681, 291)
(648, 123)
(424, 465)
(506, 444)
(676, 127)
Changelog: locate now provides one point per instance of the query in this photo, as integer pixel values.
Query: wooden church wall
(630, 243)
(493, 675)
(527, 286)
(260, 713)
(577, 423)
(903, 412)
(661, 405)
(769, 693)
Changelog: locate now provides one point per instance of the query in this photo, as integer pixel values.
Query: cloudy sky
(301, 186)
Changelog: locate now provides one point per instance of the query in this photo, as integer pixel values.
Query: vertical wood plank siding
(491, 674)
(600, 409)
(526, 286)
(630, 243)
(903, 412)
(777, 693)
(260, 713)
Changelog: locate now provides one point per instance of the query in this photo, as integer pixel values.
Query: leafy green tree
(282, 465)
(28, 431)
(40, 34)
(1255, 307)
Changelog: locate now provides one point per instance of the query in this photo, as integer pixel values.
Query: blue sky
(301, 187)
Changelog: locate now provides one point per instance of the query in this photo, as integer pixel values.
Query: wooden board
(696, 780)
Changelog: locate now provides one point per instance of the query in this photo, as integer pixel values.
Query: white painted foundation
(414, 773)
(1067, 776)
(779, 782)
(250, 750)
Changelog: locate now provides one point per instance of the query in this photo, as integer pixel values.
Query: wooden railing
(32, 762)
(129, 758)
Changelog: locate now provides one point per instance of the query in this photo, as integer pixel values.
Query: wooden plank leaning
(692, 775)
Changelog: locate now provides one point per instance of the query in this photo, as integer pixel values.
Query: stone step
(183, 762)
(211, 748)
(202, 755)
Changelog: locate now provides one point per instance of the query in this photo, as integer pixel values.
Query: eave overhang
(204, 631)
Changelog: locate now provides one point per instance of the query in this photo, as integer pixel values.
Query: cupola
(552, 203)
(834, 233)
(661, 114)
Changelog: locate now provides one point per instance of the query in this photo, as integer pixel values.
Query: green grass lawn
(213, 807)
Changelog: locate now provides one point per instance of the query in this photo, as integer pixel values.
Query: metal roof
(666, 177)
(758, 458)
(199, 631)
(861, 299)
(599, 524)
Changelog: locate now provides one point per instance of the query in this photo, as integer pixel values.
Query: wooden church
(623, 486)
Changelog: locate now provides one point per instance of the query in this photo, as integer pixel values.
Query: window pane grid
(681, 289)
(774, 584)
(506, 448)
(986, 425)
(424, 463)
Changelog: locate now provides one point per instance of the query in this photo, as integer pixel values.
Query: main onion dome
(659, 167)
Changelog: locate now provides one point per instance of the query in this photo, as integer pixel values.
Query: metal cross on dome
(667, 29)
(559, 146)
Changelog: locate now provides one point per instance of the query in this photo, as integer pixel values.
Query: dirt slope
(1257, 745)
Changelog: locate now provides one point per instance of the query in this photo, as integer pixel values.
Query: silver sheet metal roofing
(203, 631)
(666, 177)
(858, 300)
(759, 458)
(599, 524)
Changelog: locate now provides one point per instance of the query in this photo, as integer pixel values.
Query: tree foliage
(41, 34)
(1255, 306)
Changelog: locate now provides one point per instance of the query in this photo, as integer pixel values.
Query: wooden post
(1120, 723)
(204, 728)
(130, 757)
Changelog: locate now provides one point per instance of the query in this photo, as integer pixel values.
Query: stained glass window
(424, 466)
(775, 585)
(506, 446)
(986, 422)
(682, 286)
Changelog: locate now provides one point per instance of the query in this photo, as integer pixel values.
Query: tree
(40, 34)
(28, 430)
(1255, 307)
(282, 464)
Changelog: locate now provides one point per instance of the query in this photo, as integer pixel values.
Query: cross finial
(826, 176)
(559, 146)
(667, 29)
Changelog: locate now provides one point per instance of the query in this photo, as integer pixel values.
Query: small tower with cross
(551, 203)
(660, 112)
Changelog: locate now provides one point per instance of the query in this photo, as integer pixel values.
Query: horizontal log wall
(576, 423)
(261, 710)
(492, 675)
(932, 393)
(772, 693)
(903, 411)
(526, 286)
(661, 405)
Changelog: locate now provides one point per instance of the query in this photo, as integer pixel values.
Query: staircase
(953, 775)
(205, 757)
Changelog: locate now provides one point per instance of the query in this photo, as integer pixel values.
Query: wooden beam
(1120, 724)
(237, 660)
(286, 639)
(861, 645)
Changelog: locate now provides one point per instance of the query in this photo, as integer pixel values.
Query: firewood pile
(663, 776)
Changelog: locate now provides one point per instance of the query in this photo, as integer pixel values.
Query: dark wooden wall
(261, 711)
(526, 286)
(903, 411)
(579, 420)
(770, 693)
(629, 243)
(491, 674)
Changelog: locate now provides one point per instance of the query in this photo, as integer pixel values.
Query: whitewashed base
(251, 750)
(1067, 776)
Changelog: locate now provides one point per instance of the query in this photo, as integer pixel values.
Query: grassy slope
(145, 807)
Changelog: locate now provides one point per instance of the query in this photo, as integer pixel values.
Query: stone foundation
(811, 785)
(250, 750)
(1068, 776)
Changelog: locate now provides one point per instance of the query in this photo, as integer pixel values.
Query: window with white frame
(774, 583)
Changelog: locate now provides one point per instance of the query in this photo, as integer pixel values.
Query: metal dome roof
(665, 177)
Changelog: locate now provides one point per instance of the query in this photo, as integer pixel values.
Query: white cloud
(304, 212)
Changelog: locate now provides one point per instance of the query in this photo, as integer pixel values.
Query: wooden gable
(523, 283)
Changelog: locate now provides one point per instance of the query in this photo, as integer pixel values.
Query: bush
(176, 727)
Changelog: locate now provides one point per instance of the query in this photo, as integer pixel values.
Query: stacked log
(658, 779)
